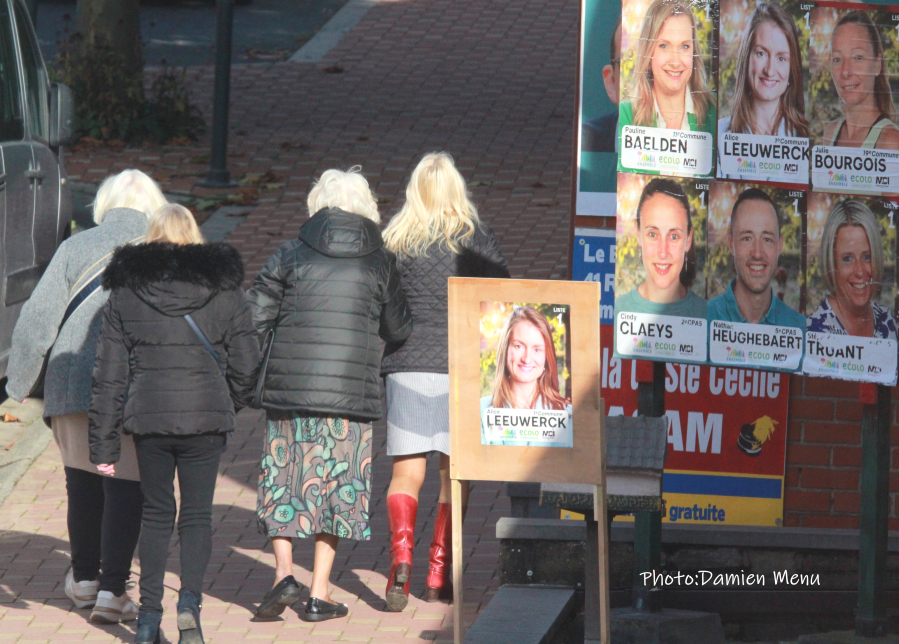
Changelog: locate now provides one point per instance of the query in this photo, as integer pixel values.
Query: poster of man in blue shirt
(755, 240)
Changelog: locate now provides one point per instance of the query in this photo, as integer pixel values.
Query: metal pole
(871, 619)
(648, 525)
(218, 176)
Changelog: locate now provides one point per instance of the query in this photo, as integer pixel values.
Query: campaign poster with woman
(660, 312)
(851, 106)
(526, 374)
(753, 269)
(667, 114)
(851, 277)
(763, 75)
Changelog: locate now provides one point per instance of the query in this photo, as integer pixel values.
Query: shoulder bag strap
(205, 341)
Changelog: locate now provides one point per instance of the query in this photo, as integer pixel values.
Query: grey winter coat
(67, 386)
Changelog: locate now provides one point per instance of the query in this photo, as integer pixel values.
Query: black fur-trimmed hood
(175, 279)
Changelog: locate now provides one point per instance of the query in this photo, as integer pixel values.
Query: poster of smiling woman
(525, 374)
(667, 115)
(851, 278)
(661, 308)
(762, 129)
(854, 59)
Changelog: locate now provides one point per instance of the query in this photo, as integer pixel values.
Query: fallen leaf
(9, 418)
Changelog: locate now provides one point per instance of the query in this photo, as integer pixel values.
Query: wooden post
(648, 525)
(871, 617)
(458, 606)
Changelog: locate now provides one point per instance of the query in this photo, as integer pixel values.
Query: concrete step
(522, 615)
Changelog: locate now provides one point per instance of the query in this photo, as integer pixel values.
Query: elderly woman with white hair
(321, 302)
(61, 321)
(851, 258)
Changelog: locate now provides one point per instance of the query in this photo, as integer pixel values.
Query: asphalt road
(182, 32)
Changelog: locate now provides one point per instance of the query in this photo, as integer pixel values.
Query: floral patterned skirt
(316, 477)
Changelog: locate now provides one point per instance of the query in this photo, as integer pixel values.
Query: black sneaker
(285, 593)
(318, 610)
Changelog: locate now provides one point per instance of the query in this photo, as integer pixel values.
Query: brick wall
(823, 468)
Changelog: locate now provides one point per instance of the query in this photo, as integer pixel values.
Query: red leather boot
(401, 511)
(439, 584)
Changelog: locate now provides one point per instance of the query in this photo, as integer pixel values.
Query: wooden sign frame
(470, 460)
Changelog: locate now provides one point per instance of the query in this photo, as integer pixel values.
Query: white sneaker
(82, 593)
(110, 609)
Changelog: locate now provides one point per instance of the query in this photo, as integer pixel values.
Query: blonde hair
(644, 101)
(548, 383)
(128, 189)
(438, 209)
(850, 212)
(348, 191)
(174, 223)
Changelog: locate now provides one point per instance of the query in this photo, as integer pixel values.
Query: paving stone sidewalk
(34, 556)
(491, 82)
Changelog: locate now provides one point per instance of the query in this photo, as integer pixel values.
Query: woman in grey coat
(104, 513)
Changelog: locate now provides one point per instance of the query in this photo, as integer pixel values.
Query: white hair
(348, 191)
(128, 189)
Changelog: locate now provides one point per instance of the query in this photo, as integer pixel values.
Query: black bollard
(218, 176)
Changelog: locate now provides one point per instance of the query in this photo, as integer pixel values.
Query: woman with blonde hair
(859, 71)
(322, 301)
(851, 258)
(436, 235)
(61, 320)
(177, 356)
(669, 88)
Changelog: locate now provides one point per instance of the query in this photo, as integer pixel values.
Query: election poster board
(754, 270)
(763, 78)
(851, 277)
(597, 119)
(660, 304)
(470, 301)
(525, 374)
(854, 60)
(667, 115)
(727, 437)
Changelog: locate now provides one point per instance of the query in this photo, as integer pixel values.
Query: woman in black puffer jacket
(328, 295)
(436, 235)
(156, 378)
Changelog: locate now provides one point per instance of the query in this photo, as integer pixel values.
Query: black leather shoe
(320, 611)
(189, 618)
(285, 593)
(148, 627)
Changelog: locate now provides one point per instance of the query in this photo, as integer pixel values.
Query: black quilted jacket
(330, 293)
(424, 280)
(152, 374)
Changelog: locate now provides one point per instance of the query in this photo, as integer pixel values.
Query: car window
(35, 78)
(11, 125)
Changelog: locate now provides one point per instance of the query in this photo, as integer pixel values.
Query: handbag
(267, 343)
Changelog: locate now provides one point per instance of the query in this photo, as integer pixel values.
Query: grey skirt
(417, 413)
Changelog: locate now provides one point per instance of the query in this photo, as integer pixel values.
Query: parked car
(36, 119)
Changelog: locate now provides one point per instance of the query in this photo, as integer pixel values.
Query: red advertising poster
(726, 438)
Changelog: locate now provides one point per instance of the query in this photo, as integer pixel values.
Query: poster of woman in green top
(668, 49)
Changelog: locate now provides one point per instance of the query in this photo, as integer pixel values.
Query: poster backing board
(472, 461)
(584, 462)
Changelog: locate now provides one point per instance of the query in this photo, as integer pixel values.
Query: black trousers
(104, 517)
(196, 458)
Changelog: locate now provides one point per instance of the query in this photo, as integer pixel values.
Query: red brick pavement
(491, 82)
(34, 557)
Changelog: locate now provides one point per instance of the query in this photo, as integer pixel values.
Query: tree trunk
(112, 24)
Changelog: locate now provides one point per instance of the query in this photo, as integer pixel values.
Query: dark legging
(196, 459)
(104, 524)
